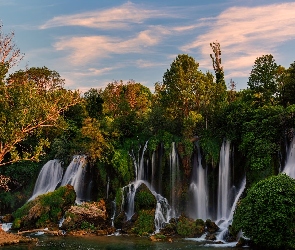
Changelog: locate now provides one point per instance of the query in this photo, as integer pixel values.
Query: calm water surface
(111, 243)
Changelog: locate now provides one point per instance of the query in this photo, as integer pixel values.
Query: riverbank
(10, 238)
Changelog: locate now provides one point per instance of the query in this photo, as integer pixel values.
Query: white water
(224, 188)
(75, 176)
(163, 210)
(174, 181)
(223, 224)
(289, 168)
(199, 190)
(48, 179)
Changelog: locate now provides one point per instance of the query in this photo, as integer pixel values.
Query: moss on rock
(46, 209)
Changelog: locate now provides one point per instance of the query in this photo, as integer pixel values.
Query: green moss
(145, 222)
(144, 199)
(47, 208)
(186, 227)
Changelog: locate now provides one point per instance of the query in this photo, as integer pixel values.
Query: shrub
(145, 223)
(267, 213)
(186, 227)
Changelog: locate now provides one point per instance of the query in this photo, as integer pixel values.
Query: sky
(94, 42)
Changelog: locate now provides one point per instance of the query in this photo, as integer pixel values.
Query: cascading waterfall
(48, 179)
(174, 180)
(75, 176)
(224, 225)
(199, 189)
(224, 188)
(163, 210)
(289, 168)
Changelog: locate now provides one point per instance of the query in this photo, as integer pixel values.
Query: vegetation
(266, 214)
(41, 120)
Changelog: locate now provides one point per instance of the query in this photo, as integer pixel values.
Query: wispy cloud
(246, 33)
(113, 18)
(88, 48)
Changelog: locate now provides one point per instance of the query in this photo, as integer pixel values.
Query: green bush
(267, 213)
(144, 199)
(186, 227)
(145, 222)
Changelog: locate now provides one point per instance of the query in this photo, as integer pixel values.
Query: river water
(112, 243)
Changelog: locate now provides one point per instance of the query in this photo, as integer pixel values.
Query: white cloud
(88, 48)
(244, 34)
(113, 18)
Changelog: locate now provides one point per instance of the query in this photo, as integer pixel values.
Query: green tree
(25, 110)
(263, 79)
(94, 102)
(288, 86)
(266, 215)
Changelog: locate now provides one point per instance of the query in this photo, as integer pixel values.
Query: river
(112, 243)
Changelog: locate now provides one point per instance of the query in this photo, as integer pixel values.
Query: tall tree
(288, 86)
(263, 79)
(25, 111)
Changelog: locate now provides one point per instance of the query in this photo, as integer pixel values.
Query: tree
(127, 105)
(25, 110)
(288, 86)
(262, 80)
(9, 53)
(267, 213)
(94, 102)
(43, 78)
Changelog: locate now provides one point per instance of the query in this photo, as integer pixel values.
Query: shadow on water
(110, 243)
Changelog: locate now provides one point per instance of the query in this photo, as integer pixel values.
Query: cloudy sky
(94, 42)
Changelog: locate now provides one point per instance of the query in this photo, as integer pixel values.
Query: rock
(87, 216)
(144, 199)
(9, 239)
(211, 226)
(210, 237)
(44, 211)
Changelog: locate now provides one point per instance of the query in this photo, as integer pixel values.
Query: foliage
(144, 199)
(267, 213)
(145, 222)
(94, 103)
(9, 53)
(26, 109)
(186, 227)
(262, 79)
(85, 225)
(45, 208)
(122, 165)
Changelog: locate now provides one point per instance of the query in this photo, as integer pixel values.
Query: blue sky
(94, 42)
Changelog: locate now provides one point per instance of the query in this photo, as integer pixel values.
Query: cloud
(245, 33)
(88, 48)
(113, 18)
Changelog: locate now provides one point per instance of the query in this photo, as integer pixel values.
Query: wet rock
(211, 226)
(210, 237)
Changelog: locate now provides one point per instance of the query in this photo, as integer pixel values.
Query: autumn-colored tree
(127, 105)
(25, 111)
(9, 53)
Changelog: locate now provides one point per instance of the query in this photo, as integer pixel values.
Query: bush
(145, 223)
(186, 227)
(267, 213)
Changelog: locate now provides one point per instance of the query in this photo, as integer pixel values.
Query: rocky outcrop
(88, 216)
(46, 210)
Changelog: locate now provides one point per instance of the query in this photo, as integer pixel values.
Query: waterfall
(48, 179)
(174, 181)
(199, 189)
(224, 188)
(289, 168)
(224, 224)
(75, 176)
(162, 212)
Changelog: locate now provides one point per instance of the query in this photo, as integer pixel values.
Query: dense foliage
(267, 213)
